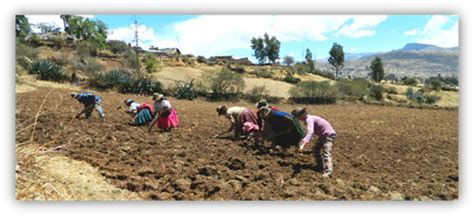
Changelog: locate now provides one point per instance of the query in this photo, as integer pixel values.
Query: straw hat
(261, 103)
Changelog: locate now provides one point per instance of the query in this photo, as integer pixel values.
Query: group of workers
(267, 124)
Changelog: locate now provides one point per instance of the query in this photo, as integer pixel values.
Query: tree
(272, 48)
(258, 47)
(309, 60)
(288, 60)
(93, 31)
(377, 71)
(65, 19)
(46, 27)
(336, 58)
(22, 27)
(266, 48)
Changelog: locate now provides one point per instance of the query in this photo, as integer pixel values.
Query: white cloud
(216, 34)
(54, 20)
(412, 32)
(438, 31)
(361, 26)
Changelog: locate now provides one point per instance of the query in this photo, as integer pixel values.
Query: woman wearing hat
(285, 129)
(266, 129)
(164, 113)
(237, 117)
(90, 101)
(141, 112)
(326, 136)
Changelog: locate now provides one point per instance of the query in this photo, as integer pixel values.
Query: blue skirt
(143, 117)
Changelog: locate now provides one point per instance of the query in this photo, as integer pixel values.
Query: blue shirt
(88, 98)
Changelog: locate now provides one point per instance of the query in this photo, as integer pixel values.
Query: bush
(291, 79)
(431, 99)
(352, 88)
(224, 85)
(418, 97)
(141, 85)
(57, 42)
(435, 84)
(111, 79)
(117, 46)
(125, 82)
(184, 90)
(391, 90)
(257, 93)
(376, 91)
(409, 93)
(84, 49)
(325, 73)
(46, 70)
(201, 59)
(35, 40)
(150, 63)
(25, 55)
(313, 92)
(130, 59)
(263, 73)
(410, 81)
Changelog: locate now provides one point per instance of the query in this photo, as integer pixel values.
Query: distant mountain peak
(425, 47)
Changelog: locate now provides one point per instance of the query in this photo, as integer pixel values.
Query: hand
(302, 145)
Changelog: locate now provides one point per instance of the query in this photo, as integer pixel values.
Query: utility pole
(135, 39)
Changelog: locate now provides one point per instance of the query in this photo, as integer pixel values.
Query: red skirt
(170, 121)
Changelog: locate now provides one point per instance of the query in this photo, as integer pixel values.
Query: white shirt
(134, 106)
(158, 106)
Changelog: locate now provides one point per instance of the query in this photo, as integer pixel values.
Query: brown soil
(380, 153)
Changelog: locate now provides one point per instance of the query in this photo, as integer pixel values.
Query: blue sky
(230, 35)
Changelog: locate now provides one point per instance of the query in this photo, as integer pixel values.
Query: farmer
(265, 129)
(141, 112)
(90, 101)
(164, 113)
(326, 136)
(237, 117)
(252, 132)
(285, 129)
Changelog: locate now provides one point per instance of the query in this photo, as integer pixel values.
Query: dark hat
(73, 94)
(128, 101)
(262, 103)
(298, 111)
(221, 110)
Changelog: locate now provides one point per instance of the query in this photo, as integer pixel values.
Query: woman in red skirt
(164, 114)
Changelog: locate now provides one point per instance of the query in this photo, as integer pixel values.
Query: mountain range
(414, 59)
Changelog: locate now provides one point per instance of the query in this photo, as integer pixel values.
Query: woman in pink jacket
(326, 136)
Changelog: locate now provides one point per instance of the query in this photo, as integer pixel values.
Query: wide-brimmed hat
(298, 111)
(158, 96)
(221, 110)
(261, 103)
(128, 101)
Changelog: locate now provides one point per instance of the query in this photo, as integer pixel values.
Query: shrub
(35, 40)
(257, 93)
(410, 81)
(111, 79)
(352, 88)
(291, 79)
(184, 90)
(376, 91)
(418, 97)
(325, 73)
(263, 73)
(435, 84)
(25, 55)
(391, 90)
(201, 59)
(46, 70)
(57, 42)
(150, 63)
(141, 85)
(223, 84)
(84, 49)
(130, 59)
(409, 93)
(313, 92)
(117, 46)
(431, 99)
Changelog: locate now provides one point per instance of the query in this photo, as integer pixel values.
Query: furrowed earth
(381, 153)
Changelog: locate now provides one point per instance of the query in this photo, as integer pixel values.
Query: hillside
(419, 60)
